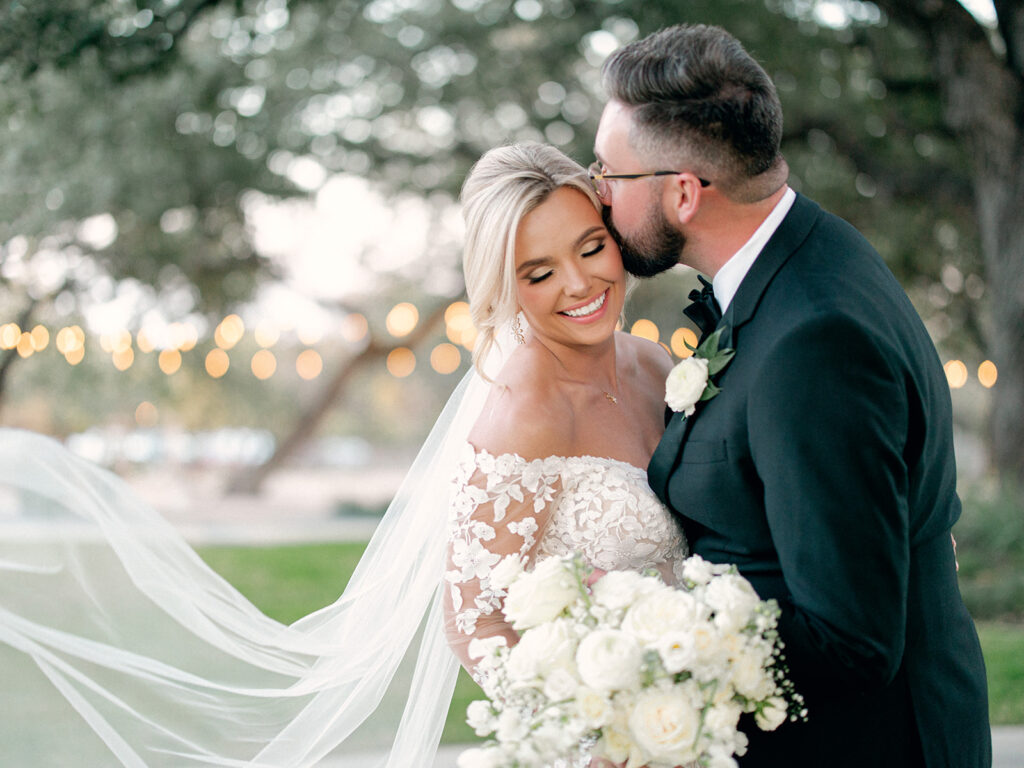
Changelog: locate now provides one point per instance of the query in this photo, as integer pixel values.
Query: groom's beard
(655, 249)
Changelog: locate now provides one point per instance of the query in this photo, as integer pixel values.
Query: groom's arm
(828, 418)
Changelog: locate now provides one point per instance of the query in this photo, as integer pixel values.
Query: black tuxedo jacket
(824, 470)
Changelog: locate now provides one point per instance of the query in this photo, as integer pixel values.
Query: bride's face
(569, 274)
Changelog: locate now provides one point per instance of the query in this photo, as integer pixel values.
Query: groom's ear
(685, 193)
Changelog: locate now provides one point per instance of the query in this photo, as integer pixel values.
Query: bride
(119, 645)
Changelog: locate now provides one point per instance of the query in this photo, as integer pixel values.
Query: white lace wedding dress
(601, 508)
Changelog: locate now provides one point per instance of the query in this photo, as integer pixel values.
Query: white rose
(480, 717)
(665, 724)
(541, 651)
(772, 715)
(560, 685)
(614, 745)
(697, 569)
(593, 707)
(620, 589)
(733, 600)
(685, 384)
(749, 676)
(480, 757)
(480, 647)
(506, 571)
(721, 720)
(540, 595)
(608, 659)
(677, 651)
(511, 727)
(657, 613)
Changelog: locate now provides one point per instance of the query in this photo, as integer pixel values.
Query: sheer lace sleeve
(500, 507)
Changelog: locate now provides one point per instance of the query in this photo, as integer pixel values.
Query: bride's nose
(578, 281)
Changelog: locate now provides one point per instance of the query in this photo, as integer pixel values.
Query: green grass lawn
(289, 582)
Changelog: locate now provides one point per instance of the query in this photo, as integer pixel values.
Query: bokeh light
(445, 358)
(146, 414)
(987, 374)
(354, 327)
(956, 374)
(680, 338)
(123, 358)
(401, 362)
(144, 341)
(217, 363)
(75, 356)
(645, 329)
(264, 364)
(24, 345)
(40, 338)
(169, 361)
(309, 364)
(10, 335)
(69, 339)
(402, 319)
(458, 325)
(185, 336)
(266, 335)
(229, 332)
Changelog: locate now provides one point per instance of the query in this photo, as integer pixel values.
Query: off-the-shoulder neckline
(541, 460)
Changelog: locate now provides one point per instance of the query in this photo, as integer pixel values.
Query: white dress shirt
(729, 277)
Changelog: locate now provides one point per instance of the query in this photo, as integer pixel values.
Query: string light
(445, 358)
(309, 364)
(956, 374)
(263, 364)
(680, 338)
(987, 374)
(169, 361)
(401, 362)
(402, 319)
(645, 329)
(217, 363)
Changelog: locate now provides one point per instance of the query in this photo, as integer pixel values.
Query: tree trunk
(250, 481)
(983, 101)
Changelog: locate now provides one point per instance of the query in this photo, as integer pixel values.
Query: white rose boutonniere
(689, 382)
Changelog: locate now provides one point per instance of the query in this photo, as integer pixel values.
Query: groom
(824, 467)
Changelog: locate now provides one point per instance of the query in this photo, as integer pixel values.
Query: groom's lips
(595, 315)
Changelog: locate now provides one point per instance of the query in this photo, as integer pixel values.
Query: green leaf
(720, 360)
(709, 391)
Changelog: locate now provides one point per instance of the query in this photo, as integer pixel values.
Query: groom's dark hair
(698, 95)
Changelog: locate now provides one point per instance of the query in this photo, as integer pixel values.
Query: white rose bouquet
(630, 670)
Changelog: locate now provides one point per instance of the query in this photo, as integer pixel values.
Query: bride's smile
(587, 312)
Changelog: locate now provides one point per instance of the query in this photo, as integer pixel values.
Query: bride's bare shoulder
(526, 412)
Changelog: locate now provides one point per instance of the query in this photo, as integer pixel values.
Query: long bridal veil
(117, 643)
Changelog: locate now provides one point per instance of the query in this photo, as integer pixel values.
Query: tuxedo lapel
(793, 230)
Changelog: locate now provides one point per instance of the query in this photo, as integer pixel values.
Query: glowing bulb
(680, 339)
(987, 374)
(217, 363)
(645, 329)
(263, 364)
(445, 358)
(956, 374)
(309, 364)
(401, 362)
(402, 319)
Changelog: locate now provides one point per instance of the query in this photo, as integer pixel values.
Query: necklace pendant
(611, 398)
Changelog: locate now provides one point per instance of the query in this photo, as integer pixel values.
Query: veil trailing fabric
(118, 643)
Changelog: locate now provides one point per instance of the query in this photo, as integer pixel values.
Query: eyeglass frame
(596, 178)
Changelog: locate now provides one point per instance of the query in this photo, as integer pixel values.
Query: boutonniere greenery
(689, 382)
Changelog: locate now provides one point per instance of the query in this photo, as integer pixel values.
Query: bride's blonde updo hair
(504, 185)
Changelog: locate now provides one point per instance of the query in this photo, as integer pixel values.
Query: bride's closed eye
(596, 249)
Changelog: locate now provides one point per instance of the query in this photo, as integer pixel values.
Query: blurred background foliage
(143, 142)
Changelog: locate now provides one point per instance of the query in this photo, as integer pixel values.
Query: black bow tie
(704, 311)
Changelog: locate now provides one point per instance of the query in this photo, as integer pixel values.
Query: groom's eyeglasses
(604, 189)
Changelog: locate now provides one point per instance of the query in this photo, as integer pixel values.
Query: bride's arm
(499, 510)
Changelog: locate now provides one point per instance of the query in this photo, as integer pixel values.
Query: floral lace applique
(505, 505)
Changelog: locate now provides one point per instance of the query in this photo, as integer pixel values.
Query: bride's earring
(517, 330)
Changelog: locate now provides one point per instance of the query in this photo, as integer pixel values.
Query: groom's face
(633, 213)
